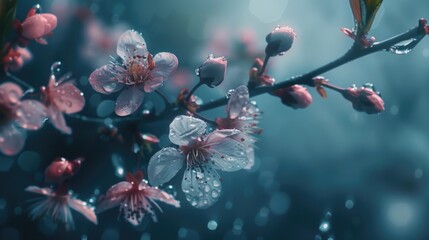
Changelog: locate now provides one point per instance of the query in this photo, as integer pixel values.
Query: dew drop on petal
(110, 87)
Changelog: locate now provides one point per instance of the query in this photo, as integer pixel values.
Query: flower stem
(193, 90)
(168, 104)
(264, 65)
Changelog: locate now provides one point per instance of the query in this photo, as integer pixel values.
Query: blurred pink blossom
(16, 58)
(135, 198)
(62, 97)
(16, 116)
(138, 72)
(58, 205)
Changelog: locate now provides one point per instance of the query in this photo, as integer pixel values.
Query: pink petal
(153, 83)
(238, 100)
(51, 22)
(57, 119)
(114, 196)
(157, 194)
(83, 209)
(202, 186)
(103, 81)
(42, 191)
(227, 154)
(128, 101)
(130, 44)
(31, 114)
(250, 152)
(68, 98)
(165, 64)
(10, 94)
(38, 25)
(164, 165)
(184, 129)
(12, 139)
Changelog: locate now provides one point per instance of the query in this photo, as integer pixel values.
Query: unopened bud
(279, 41)
(364, 99)
(212, 71)
(295, 96)
(61, 169)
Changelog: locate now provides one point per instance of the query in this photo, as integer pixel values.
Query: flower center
(196, 153)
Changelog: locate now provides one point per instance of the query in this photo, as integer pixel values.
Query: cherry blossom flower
(138, 72)
(203, 154)
(243, 115)
(135, 198)
(36, 26)
(364, 99)
(62, 97)
(279, 41)
(16, 58)
(61, 169)
(212, 71)
(58, 205)
(295, 96)
(16, 116)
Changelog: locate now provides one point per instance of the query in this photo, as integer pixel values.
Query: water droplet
(55, 68)
(110, 87)
(14, 97)
(170, 189)
(197, 72)
(324, 227)
(215, 194)
(404, 47)
(216, 183)
(349, 204)
(212, 225)
(229, 93)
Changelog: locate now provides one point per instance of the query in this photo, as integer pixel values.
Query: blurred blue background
(323, 172)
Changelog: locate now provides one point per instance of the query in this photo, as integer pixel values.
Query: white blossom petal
(184, 129)
(164, 165)
(114, 196)
(31, 114)
(226, 153)
(152, 84)
(201, 185)
(130, 44)
(82, 208)
(129, 101)
(12, 139)
(165, 64)
(238, 101)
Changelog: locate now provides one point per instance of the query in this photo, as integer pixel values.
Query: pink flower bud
(212, 71)
(295, 96)
(61, 169)
(16, 58)
(279, 41)
(39, 26)
(364, 99)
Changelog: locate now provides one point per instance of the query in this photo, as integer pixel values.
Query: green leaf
(7, 16)
(364, 12)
